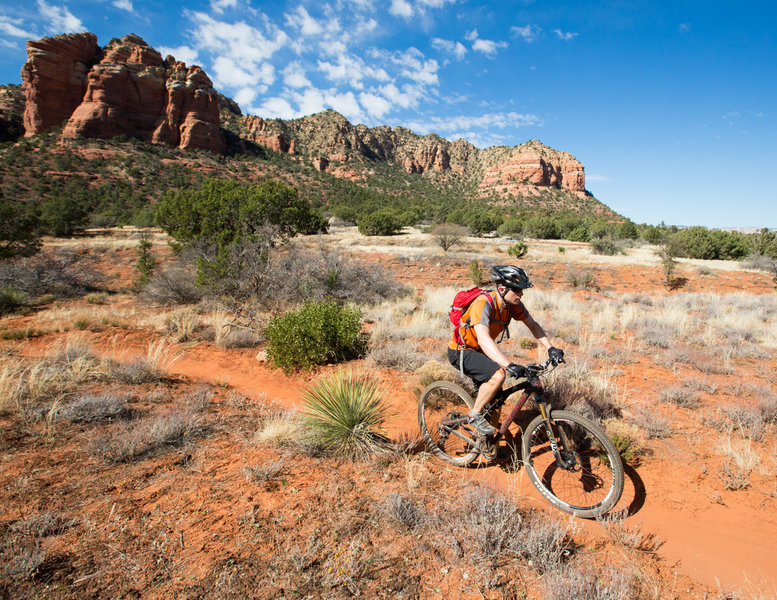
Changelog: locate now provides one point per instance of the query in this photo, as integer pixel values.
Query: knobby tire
(595, 483)
(442, 407)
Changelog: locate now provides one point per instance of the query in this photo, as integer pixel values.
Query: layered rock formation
(329, 141)
(125, 89)
(55, 78)
(533, 165)
(256, 130)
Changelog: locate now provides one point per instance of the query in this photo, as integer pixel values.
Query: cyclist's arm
(489, 347)
(537, 331)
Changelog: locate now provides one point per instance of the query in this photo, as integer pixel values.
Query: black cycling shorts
(477, 366)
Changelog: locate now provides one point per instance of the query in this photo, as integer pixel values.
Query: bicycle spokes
(570, 464)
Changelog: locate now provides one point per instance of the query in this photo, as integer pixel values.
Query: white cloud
(276, 108)
(10, 26)
(416, 67)
(684, 28)
(60, 19)
(529, 32)
(352, 70)
(294, 76)
(219, 5)
(469, 123)
(401, 8)
(408, 97)
(124, 5)
(487, 47)
(376, 106)
(239, 41)
(566, 36)
(365, 26)
(333, 47)
(245, 95)
(455, 48)
(229, 73)
(300, 19)
(313, 100)
(436, 3)
(182, 53)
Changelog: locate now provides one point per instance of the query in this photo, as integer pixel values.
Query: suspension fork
(564, 458)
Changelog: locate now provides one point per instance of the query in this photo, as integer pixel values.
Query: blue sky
(670, 105)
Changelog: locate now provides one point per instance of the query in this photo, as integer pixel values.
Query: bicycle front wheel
(442, 415)
(583, 475)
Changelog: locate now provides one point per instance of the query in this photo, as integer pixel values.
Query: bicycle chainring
(487, 448)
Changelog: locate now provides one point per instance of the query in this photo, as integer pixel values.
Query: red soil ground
(712, 538)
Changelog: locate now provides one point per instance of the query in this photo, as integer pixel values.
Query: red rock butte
(125, 88)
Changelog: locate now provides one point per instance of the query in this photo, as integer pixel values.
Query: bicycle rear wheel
(590, 482)
(442, 410)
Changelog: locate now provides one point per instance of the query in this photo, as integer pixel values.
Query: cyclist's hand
(517, 371)
(556, 355)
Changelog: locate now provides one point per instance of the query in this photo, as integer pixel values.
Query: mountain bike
(568, 458)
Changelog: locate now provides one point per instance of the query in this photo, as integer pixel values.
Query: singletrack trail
(708, 536)
(701, 537)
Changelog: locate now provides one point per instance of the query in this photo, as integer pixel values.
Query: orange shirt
(496, 319)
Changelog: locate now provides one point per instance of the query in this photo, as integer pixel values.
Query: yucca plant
(12, 298)
(346, 412)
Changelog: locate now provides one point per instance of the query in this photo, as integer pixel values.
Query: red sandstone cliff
(125, 89)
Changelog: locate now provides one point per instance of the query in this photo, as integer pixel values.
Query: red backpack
(461, 302)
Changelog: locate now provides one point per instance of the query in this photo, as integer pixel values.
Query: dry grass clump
(679, 396)
(264, 473)
(284, 428)
(435, 370)
(739, 462)
(576, 387)
(404, 512)
(628, 439)
(591, 584)
(400, 356)
(182, 323)
(491, 529)
(746, 421)
(90, 408)
(656, 424)
(144, 368)
(630, 537)
(135, 440)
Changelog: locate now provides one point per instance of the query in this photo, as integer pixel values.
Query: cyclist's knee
(498, 378)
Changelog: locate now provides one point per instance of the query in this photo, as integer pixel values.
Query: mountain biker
(478, 356)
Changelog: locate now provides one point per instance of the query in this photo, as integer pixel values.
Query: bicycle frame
(533, 386)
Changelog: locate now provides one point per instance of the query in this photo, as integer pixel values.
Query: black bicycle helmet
(511, 277)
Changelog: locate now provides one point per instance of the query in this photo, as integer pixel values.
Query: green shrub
(709, 244)
(607, 246)
(579, 234)
(346, 411)
(518, 250)
(542, 227)
(318, 333)
(221, 217)
(11, 299)
(382, 222)
(475, 272)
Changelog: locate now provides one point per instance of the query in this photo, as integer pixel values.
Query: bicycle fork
(565, 458)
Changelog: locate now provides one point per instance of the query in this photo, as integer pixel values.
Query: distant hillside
(121, 124)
